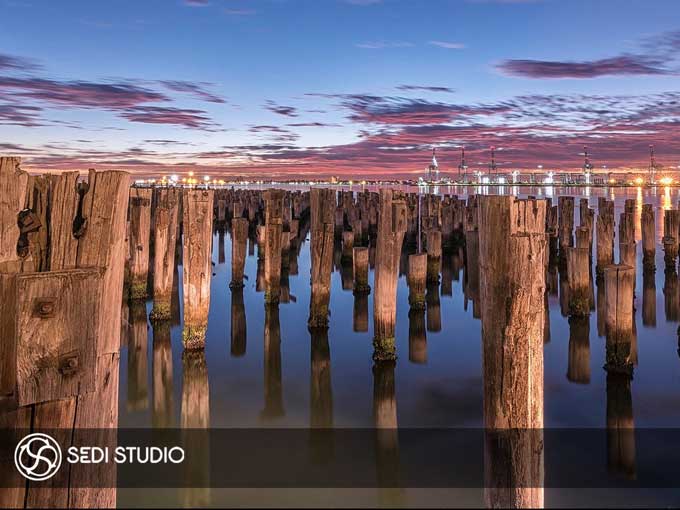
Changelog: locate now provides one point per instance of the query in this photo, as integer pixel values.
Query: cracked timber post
(165, 238)
(197, 258)
(391, 229)
(512, 247)
(322, 234)
(140, 238)
(273, 238)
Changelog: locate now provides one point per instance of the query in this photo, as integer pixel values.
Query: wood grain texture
(13, 189)
(197, 258)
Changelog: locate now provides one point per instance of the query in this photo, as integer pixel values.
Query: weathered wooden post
(417, 272)
(627, 245)
(605, 235)
(74, 384)
(239, 237)
(322, 228)
(360, 261)
(140, 238)
(347, 247)
(165, 238)
(163, 415)
(261, 236)
(273, 389)
(671, 235)
(434, 255)
(619, 288)
(578, 369)
(578, 274)
(273, 237)
(197, 270)
(565, 207)
(239, 331)
(472, 255)
(587, 221)
(648, 238)
(391, 230)
(512, 247)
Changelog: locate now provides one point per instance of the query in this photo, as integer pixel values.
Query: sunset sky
(337, 87)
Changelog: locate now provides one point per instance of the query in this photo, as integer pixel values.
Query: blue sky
(337, 86)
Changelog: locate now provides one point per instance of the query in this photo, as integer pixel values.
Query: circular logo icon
(37, 457)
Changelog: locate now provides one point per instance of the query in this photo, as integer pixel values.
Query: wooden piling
(391, 230)
(273, 241)
(140, 237)
(619, 281)
(197, 269)
(434, 255)
(605, 235)
(648, 237)
(239, 238)
(165, 238)
(565, 207)
(578, 274)
(417, 272)
(360, 261)
(512, 248)
(322, 207)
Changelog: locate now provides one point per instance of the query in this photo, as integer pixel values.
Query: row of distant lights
(191, 180)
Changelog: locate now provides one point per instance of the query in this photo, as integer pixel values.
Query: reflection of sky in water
(447, 390)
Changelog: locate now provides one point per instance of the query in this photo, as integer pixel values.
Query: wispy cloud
(239, 12)
(198, 90)
(14, 63)
(658, 57)
(425, 88)
(381, 45)
(196, 3)
(286, 111)
(447, 44)
(622, 65)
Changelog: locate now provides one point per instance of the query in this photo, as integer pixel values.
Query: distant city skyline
(350, 88)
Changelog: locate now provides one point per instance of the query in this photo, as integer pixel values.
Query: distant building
(433, 169)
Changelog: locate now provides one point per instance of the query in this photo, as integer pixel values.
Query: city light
(666, 181)
(639, 181)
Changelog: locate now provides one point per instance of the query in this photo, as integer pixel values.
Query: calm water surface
(444, 391)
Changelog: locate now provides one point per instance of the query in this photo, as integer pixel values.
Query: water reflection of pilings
(649, 298)
(195, 414)
(239, 330)
(137, 365)
(386, 432)
(273, 388)
(671, 295)
(472, 271)
(163, 404)
(434, 312)
(578, 369)
(417, 336)
(321, 398)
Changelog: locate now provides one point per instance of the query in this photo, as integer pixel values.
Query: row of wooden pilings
(64, 239)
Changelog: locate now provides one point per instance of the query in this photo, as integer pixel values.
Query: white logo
(37, 457)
